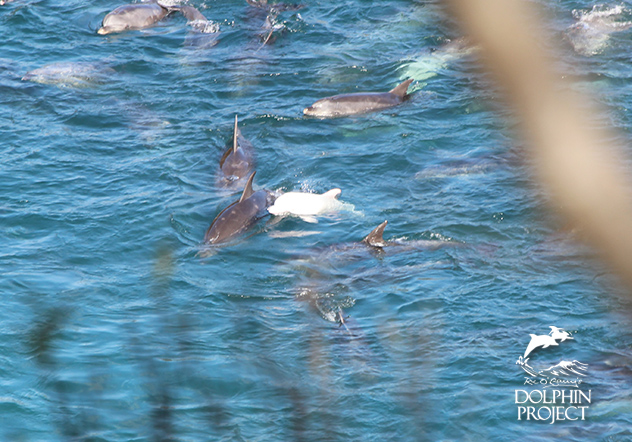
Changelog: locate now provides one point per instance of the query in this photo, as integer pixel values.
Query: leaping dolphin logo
(556, 334)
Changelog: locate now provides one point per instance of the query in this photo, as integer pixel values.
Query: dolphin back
(238, 218)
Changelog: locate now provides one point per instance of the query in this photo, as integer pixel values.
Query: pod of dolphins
(237, 163)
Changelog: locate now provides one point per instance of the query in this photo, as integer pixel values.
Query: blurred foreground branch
(578, 165)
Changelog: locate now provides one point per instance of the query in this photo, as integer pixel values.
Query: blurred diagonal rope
(576, 162)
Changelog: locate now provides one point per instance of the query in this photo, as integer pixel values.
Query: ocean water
(118, 324)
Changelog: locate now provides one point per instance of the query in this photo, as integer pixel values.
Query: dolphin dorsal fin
(248, 189)
(235, 145)
(401, 89)
(333, 193)
(191, 14)
(375, 238)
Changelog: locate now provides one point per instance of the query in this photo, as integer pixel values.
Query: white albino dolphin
(306, 205)
(543, 341)
(558, 333)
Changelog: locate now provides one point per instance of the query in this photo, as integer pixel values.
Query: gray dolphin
(238, 160)
(358, 103)
(240, 216)
(376, 240)
(133, 17)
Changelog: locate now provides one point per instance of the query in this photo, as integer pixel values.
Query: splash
(591, 33)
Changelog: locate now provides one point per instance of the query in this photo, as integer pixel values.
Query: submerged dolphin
(240, 215)
(77, 74)
(238, 160)
(306, 205)
(358, 103)
(132, 17)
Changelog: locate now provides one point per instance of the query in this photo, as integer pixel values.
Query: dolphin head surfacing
(358, 103)
(240, 216)
(132, 17)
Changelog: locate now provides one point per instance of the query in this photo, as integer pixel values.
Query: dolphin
(238, 160)
(375, 240)
(358, 103)
(558, 333)
(543, 341)
(306, 205)
(133, 17)
(240, 215)
(77, 74)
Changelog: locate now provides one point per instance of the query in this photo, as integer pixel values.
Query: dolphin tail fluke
(248, 189)
(402, 89)
(375, 238)
(235, 145)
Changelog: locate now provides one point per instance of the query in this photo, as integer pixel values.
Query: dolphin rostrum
(240, 216)
(358, 103)
(238, 160)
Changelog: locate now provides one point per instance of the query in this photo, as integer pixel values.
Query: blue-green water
(117, 325)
